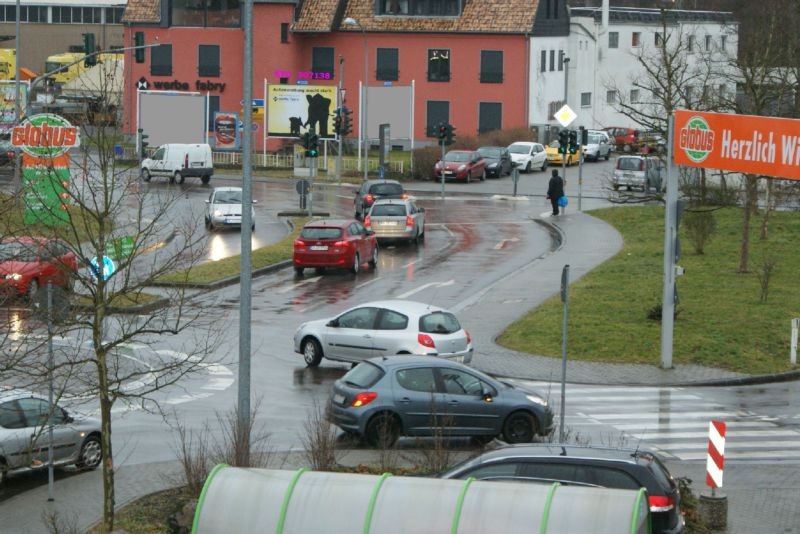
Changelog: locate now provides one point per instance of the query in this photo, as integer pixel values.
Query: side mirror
(487, 397)
(333, 323)
(208, 201)
(255, 201)
(67, 417)
(370, 232)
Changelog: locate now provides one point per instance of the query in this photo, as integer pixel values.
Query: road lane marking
(368, 282)
(298, 284)
(503, 242)
(423, 287)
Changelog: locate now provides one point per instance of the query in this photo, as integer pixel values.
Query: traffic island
(713, 510)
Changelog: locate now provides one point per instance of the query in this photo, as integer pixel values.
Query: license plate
(628, 176)
(197, 164)
(388, 223)
(338, 398)
(318, 247)
(231, 221)
(448, 173)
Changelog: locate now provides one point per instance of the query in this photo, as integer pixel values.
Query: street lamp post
(350, 21)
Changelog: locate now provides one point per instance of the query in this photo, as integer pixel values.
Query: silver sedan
(384, 328)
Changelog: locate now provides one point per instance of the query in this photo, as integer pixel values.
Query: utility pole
(17, 105)
(670, 236)
(341, 105)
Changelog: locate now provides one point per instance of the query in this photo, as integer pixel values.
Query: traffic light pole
(341, 121)
(441, 168)
(581, 132)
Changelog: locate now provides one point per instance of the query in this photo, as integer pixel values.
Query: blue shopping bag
(562, 201)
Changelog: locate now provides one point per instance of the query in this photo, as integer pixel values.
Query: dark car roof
(329, 223)
(391, 362)
(372, 182)
(570, 451)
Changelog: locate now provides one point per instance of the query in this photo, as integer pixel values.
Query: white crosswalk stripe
(672, 420)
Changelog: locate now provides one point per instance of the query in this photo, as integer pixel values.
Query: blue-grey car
(382, 399)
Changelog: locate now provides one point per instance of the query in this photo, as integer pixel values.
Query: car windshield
(629, 164)
(595, 139)
(228, 197)
(519, 149)
(16, 252)
(317, 232)
(491, 152)
(363, 375)
(554, 144)
(439, 323)
(388, 210)
(458, 157)
(386, 189)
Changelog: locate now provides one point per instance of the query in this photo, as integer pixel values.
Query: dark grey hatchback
(585, 466)
(384, 398)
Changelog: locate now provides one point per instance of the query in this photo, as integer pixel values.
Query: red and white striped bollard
(715, 460)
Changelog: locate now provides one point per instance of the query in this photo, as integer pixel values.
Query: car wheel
(91, 453)
(374, 261)
(616, 187)
(520, 427)
(298, 271)
(483, 176)
(146, 175)
(179, 177)
(356, 263)
(205, 179)
(312, 352)
(382, 430)
(528, 167)
(208, 224)
(608, 155)
(544, 165)
(3, 473)
(33, 290)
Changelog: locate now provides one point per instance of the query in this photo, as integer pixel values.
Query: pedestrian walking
(555, 190)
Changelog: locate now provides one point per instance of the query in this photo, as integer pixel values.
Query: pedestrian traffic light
(139, 44)
(450, 135)
(337, 121)
(573, 142)
(563, 141)
(143, 144)
(89, 50)
(347, 121)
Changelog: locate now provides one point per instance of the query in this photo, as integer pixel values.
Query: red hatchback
(335, 243)
(463, 165)
(28, 263)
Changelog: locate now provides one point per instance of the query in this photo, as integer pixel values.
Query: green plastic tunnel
(289, 502)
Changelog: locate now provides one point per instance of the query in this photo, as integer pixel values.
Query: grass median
(212, 271)
(721, 320)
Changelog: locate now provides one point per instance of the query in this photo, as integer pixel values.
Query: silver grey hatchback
(384, 398)
(24, 439)
(396, 219)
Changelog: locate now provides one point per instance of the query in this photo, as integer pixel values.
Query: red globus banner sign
(45, 135)
(750, 144)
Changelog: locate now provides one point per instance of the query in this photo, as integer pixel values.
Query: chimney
(605, 15)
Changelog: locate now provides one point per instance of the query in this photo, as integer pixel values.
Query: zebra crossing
(671, 420)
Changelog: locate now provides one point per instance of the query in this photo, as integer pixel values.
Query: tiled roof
(148, 11)
(479, 16)
(623, 14)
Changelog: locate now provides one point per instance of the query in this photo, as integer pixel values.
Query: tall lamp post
(350, 21)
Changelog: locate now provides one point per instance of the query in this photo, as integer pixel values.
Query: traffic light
(88, 48)
(337, 121)
(573, 141)
(441, 131)
(311, 143)
(347, 121)
(143, 144)
(584, 135)
(450, 135)
(139, 41)
(563, 141)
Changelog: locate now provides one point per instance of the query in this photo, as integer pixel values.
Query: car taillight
(426, 341)
(299, 243)
(369, 199)
(469, 339)
(409, 220)
(367, 221)
(364, 398)
(405, 195)
(340, 244)
(661, 503)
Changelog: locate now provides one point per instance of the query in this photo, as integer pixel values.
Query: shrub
(700, 226)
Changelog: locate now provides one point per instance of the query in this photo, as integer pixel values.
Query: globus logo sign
(696, 139)
(45, 135)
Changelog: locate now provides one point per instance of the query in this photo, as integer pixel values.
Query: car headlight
(217, 213)
(13, 276)
(536, 399)
(462, 168)
(493, 165)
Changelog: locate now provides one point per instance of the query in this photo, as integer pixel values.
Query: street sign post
(108, 267)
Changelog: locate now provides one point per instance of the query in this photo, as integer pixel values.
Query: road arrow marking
(503, 242)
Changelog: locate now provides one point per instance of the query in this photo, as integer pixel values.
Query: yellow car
(554, 156)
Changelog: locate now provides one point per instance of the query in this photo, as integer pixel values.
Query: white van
(179, 161)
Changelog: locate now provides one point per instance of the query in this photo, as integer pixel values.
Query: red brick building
(468, 59)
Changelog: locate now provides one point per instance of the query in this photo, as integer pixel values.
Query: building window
(611, 97)
(284, 32)
(208, 60)
(555, 9)
(161, 60)
(708, 42)
(438, 111)
(659, 39)
(206, 13)
(490, 117)
(114, 15)
(491, 66)
(75, 15)
(723, 41)
(552, 60)
(613, 39)
(388, 64)
(213, 108)
(543, 65)
(439, 65)
(422, 8)
(636, 39)
(586, 100)
(634, 96)
(690, 44)
(560, 60)
(322, 61)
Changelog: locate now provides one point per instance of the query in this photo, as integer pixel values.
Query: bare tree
(109, 210)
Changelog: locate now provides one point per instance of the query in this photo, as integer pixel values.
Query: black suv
(585, 466)
(372, 190)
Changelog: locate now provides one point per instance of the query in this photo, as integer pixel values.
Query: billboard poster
(294, 109)
(226, 130)
(8, 97)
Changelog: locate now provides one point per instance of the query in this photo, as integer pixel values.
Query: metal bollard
(515, 178)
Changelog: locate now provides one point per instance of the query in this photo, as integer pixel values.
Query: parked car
(587, 466)
(384, 328)
(392, 219)
(7, 154)
(597, 146)
(28, 263)
(625, 139)
(372, 190)
(224, 208)
(336, 243)
(640, 172)
(177, 161)
(498, 160)
(554, 157)
(462, 165)
(384, 398)
(528, 156)
(24, 439)
(651, 142)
